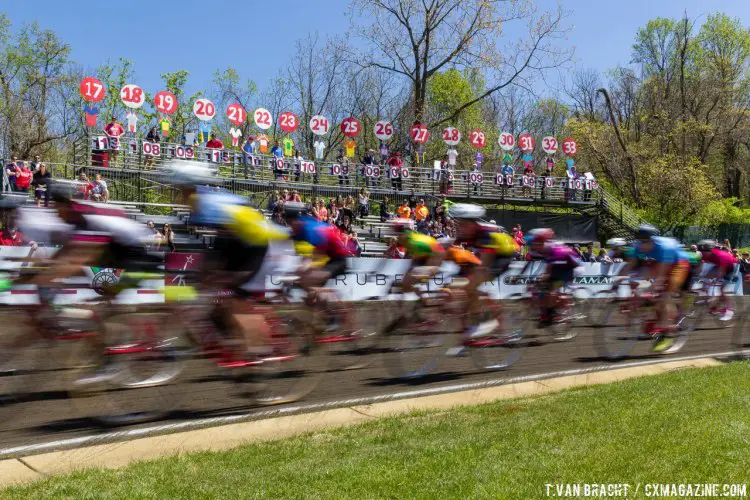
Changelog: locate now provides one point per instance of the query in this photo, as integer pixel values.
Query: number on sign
(288, 121)
(92, 89)
(549, 145)
(307, 167)
(263, 118)
(451, 136)
(236, 114)
(151, 149)
(506, 141)
(570, 147)
(350, 127)
(526, 142)
(383, 130)
(419, 134)
(476, 178)
(204, 109)
(165, 102)
(319, 125)
(477, 138)
(132, 96)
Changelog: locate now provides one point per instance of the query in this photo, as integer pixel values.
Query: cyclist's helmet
(706, 245)
(466, 211)
(295, 209)
(646, 231)
(616, 243)
(542, 235)
(190, 173)
(400, 225)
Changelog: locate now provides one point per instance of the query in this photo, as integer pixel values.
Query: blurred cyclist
(722, 269)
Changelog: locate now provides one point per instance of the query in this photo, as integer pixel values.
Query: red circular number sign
(165, 102)
(132, 96)
(419, 133)
(92, 89)
(526, 142)
(288, 121)
(478, 139)
(236, 113)
(350, 127)
(569, 146)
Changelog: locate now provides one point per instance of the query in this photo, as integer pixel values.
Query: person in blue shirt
(247, 152)
(276, 150)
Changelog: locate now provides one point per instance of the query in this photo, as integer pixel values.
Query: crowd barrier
(366, 279)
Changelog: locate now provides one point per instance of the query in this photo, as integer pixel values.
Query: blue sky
(257, 37)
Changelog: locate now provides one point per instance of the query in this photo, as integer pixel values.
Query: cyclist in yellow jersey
(425, 252)
(495, 247)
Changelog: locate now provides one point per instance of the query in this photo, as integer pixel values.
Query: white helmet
(466, 211)
(616, 243)
(190, 173)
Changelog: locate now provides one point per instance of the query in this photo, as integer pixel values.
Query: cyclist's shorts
(499, 266)
(559, 276)
(336, 266)
(678, 275)
(234, 255)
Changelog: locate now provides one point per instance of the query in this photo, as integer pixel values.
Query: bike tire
(504, 347)
(621, 332)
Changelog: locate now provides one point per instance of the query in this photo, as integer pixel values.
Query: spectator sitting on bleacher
(294, 196)
(99, 191)
(421, 214)
(214, 143)
(384, 213)
(364, 203)
(23, 177)
(394, 251)
(353, 245)
(322, 211)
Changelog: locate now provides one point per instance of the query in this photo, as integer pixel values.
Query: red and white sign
(100, 142)
(404, 173)
(451, 136)
(549, 145)
(528, 180)
(236, 114)
(216, 155)
(184, 152)
(151, 149)
(478, 139)
(526, 142)
(419, 133)
(337, 169)
(114, 143)
(372, 171)
(319, 125)
(132, 96)
(383, 130)
(476, 177)
(350, 127)
(288, 121)
(263, 118)
(204, 110)
(280, 164)
(503, 179)
(92, 89)
(307, 167)
(506, 141)
(569, 146)
(395, 172)
(165, 102)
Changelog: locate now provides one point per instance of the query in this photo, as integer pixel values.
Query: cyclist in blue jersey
(667, 263)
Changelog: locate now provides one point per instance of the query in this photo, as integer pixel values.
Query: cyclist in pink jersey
(723, 268)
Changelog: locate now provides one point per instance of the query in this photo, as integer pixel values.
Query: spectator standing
(35, 164)
(247, 155)
(114, 130)
(368, 161)
(394, 251)
(395, 162)
(603, 258)
(23, 177)
(384, 213)
(298, 159)
(40, 181)
(364, 203)
(745, 263)
(214, 143)
(156, 237)
(152, 136)
(421, 215)
(169, 237)
(343, 160)
(276, 150)
(11, 170)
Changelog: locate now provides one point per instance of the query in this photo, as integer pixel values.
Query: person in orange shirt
(421, 212)
(404, 212)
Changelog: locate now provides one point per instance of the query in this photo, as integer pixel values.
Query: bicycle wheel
(350, 348)
(21, 366)
(128, 374)
(417, 343)
(503, 347)
(622, 328)
(597, 310)
(573, 315)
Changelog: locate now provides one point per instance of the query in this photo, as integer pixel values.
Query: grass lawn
(690, 426)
